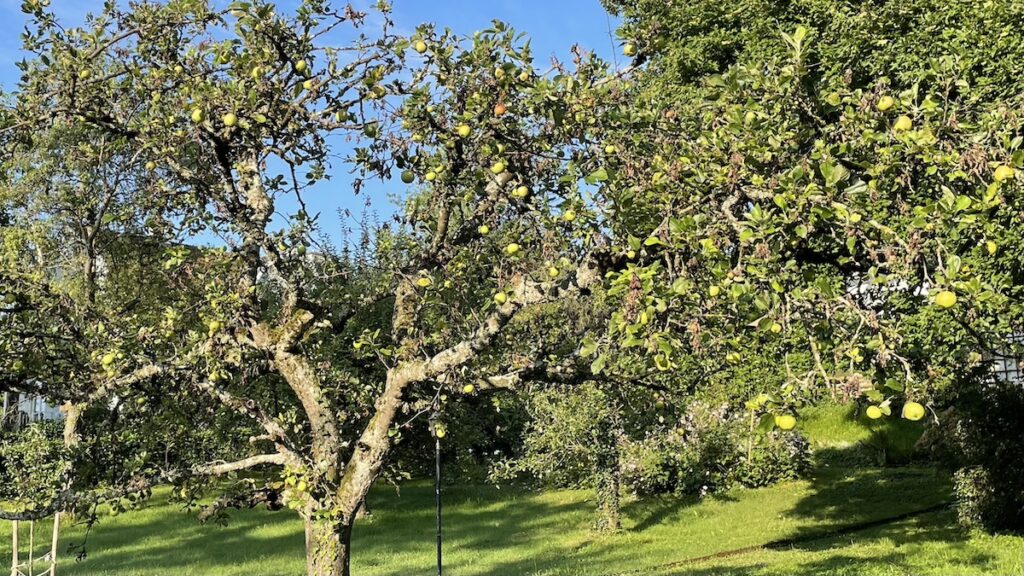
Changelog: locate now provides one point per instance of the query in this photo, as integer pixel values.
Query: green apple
(85, 73)
(903, 123)
(430, 176)
(307, 84)
(484, 229)
(776, 328)
(629, 49)
(630, 254)
(1004, 173)
(499, 73)
(991, 247)
(714, 291)
(420, 46)
(498, 167)
(423, 282)
(884, 103)
(610, 149)
(785, 422)
(553, 272)
(108, 359)
(913, 411)
(873, 412)
(197, 115)
(300, 66)
(569, 215)
(468, 389)
(500, 298)
(408, 177)
(945, 299)
(512, 249)
(464, 130)
(229, 119)
(521, 192)
(151, 165)
(179, 69)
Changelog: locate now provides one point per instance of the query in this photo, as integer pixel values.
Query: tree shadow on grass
(904, 544)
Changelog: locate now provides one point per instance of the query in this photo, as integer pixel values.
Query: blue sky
(552, 25)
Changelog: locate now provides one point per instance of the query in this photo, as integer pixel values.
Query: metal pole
(437, 497)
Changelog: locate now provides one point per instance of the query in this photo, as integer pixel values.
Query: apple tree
(855, 205)
(227, 120)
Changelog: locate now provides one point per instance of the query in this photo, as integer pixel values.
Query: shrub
(980, 436)
(709, 451)
(775, 457)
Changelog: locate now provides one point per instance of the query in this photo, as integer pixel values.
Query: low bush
(979, 435)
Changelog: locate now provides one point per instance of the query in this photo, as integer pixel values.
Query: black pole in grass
(437, 429)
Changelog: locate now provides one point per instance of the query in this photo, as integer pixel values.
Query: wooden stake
(53, 544)
(31, 545)
(14, 553)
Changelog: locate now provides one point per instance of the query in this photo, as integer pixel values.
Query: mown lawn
(497, 532)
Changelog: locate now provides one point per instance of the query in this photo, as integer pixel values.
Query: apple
(439, 431)
(553, 272)
(150, 165)
(420, 46)
(499, 109)
(499, 73)
(629, 49)
(229, 119)
(610, 149)
(785, 422)
(776, 328)
(1004, 173)
(307, 84)
(108, 359)
(732, 357)
(524, 76)
(423, 282)
(300, 66)
(484, 229)
(179, 69)
(521, 192)
(873, 412)
(464, 130)
(197, 115)
(215, 326)
(913, 411)
(903, 123)
(991, 247)
(259, 118)
(569, 215)
(512, 249)
(500, 298)
(714, 291)
(498, 167)
(468, 389)
(408, 177)
(430, 176)
(85, 73)
(884, 103)
(631, 254)
(945, 299)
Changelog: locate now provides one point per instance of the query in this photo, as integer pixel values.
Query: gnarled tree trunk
(328, 547)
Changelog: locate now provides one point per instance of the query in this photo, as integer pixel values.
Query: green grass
(841, 435)
(499, 532)
(496, 532)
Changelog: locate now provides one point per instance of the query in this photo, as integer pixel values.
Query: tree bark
(328, 547)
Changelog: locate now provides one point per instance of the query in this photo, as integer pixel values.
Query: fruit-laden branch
(269, 497)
